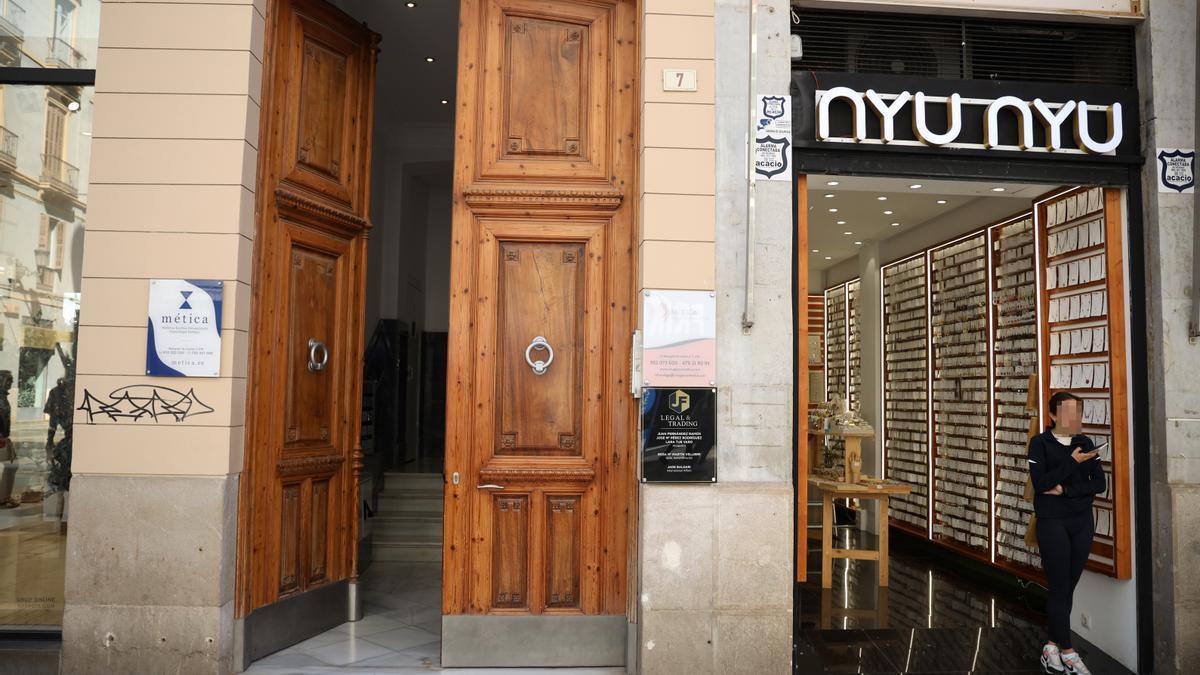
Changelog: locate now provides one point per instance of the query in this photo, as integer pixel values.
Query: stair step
(431, 481)
(412, 525)
(406, 551)
(409, 502)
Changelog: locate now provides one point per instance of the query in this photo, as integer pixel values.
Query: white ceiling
(858, 204)
(408, 88)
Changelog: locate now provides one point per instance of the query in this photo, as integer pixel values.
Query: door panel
(537, 522)
(298, 507)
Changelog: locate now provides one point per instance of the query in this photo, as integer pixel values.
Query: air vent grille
(965, 48)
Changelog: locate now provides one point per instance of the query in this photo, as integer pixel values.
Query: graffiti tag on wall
(139, 402)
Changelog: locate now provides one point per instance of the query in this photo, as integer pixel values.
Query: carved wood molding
(292, 201)
(297, 466)
(495, 474)
(608, 199)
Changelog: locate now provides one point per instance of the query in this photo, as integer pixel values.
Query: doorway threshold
(400, 632)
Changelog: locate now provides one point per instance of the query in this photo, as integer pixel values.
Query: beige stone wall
(715, 561)
(677, 218)
(171, 196)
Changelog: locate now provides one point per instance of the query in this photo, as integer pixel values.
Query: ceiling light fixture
(858, 243)
(847, 232)
(816, 250)
(828, 258)
(915, 186)
(895, 224)
(829, 195)
(428, 59)
(833, 210)
(841, 222)
(941, 201)
(881, 198)
(888, 212)
(831, 183)
(997, 189)
(444, 101)
(411, 4)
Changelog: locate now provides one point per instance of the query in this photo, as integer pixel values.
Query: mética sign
(1010, 123)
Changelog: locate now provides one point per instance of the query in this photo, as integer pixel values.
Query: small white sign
(676, 79)
(1177, 170)
(679, 342)
(773, 138)
(183, 332)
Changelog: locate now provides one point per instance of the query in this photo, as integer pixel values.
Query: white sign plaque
(773, 138)
(679, 341)
(678, 79)
(183, 330)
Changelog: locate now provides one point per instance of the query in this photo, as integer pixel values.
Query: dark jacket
(1050, 464)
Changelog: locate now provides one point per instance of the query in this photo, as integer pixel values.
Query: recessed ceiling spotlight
(881, 198)
(828, 196)
(888, 212)
(915, 186)
(444, 101)
(833, 210)
(941, 201)
(816, 250)
(847, 232)
(858, 243)
(841, 222)
(828, 258)
(411, 4)
(428, 59)
(895, 224)
(73, 106)
(997, 189)
(832, 183)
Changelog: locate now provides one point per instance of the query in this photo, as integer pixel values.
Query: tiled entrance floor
(398, 634)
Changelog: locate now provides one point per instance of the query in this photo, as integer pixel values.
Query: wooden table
(867, 488)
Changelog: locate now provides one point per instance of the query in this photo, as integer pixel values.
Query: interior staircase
(408, 522)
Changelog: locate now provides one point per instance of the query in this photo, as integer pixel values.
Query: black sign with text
(679, 435)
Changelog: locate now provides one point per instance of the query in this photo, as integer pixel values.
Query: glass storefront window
(45, 144)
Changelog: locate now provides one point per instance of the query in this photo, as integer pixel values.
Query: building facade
(508, 187)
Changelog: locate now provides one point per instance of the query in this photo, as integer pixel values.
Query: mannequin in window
(8, 451)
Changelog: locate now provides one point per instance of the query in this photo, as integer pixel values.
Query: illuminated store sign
(938, 121)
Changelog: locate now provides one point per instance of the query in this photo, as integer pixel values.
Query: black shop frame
(1121, 171)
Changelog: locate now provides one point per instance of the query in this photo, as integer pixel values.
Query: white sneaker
(1073, 662)
(1051, 660)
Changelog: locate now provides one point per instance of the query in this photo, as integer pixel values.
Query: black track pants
(1065, 544)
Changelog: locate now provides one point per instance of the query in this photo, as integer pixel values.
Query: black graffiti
(143, 401)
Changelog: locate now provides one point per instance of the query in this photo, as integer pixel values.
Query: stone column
(153, 503)
(715, 562)
(871, 367)
(1167, 58)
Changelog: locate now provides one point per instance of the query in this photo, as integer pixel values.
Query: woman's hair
(1057, 399)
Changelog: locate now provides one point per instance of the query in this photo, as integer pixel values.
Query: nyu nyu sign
(1036, 121)
(1055, 119)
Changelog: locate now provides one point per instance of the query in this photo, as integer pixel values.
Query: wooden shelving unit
(966, 324)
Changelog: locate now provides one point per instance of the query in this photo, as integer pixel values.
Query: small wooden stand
(852, 436)
(867, 488)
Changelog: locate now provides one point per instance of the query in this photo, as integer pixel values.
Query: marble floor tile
(348, 651)
(403, 638)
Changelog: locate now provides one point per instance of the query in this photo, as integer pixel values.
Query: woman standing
(1066, 472)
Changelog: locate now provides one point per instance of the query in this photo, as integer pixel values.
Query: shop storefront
(973, 216)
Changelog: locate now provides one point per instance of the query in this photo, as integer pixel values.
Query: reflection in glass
(45, 145)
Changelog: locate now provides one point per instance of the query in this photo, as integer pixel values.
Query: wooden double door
(540, 426)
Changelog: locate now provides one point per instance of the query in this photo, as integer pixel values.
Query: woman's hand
(1080, 456)
(1056, 490)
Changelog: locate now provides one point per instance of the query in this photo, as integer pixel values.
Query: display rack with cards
(1014, 361)
(836, 355)
(905, 430)
(960, 396)
(1083, 322)
(965, 326)
(853, 344)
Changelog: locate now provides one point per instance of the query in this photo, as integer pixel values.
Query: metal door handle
(490, 486)
(313, 364)
(539, 367)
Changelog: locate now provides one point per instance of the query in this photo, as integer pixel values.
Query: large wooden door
(298, 514)
(540, 427)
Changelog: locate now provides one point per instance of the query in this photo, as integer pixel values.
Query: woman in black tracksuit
(1066, 473)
